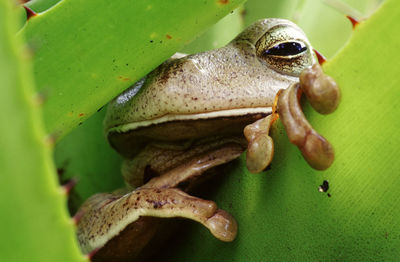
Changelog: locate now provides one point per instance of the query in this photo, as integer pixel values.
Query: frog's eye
(285, 49)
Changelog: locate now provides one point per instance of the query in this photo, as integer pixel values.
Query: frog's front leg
(260, 149)
(324, 96)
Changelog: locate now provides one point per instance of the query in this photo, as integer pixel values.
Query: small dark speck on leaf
(81, 114)
(324, 187)
(151, 41)
(80, 123)
(168, 36)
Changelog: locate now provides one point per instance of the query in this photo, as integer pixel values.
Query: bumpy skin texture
(188, 116)
(227, 78)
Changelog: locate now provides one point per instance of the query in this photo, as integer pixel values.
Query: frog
(194, 113)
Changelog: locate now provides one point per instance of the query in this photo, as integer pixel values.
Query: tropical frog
(193, 113)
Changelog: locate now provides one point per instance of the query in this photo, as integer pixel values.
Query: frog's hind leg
(110, 221)
(106, 216)
(160, 158)
(186, 174)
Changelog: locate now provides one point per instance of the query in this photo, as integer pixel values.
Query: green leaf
(41, 5)
(35, 225)
(86, 52)
(281, 214)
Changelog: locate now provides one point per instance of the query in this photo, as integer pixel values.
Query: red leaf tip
(353, 21)
(92, 253)
(77, 217)
(321, 58)
(70, 185)
(29, 12)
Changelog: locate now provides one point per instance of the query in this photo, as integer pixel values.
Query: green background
(280, 212)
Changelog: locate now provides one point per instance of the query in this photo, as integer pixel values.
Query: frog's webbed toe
(260, 148)
(321, 90)
(324, 95)
(105, 216)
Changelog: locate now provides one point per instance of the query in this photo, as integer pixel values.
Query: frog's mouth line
(209, 115)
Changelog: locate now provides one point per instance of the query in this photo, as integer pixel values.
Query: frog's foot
(105, 217)
(321, 90)
(260, 149)
(324, 95)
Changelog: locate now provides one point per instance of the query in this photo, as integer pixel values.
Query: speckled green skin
(232, 77)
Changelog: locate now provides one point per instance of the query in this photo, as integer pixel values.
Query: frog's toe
(106, 216)
(260, 148)
(321, 90)
(316, 150)
(222, 225)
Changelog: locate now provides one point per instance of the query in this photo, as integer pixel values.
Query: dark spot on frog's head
(324, 187)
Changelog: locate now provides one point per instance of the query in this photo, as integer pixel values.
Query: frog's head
(212, 93)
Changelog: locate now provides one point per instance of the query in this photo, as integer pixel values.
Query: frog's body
(188, 116)
(211, 94)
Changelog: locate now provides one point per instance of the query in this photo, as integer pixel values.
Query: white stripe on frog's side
(207, 115)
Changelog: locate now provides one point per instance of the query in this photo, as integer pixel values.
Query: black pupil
(287, 49)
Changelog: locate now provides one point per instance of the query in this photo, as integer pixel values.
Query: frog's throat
(207, 115)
